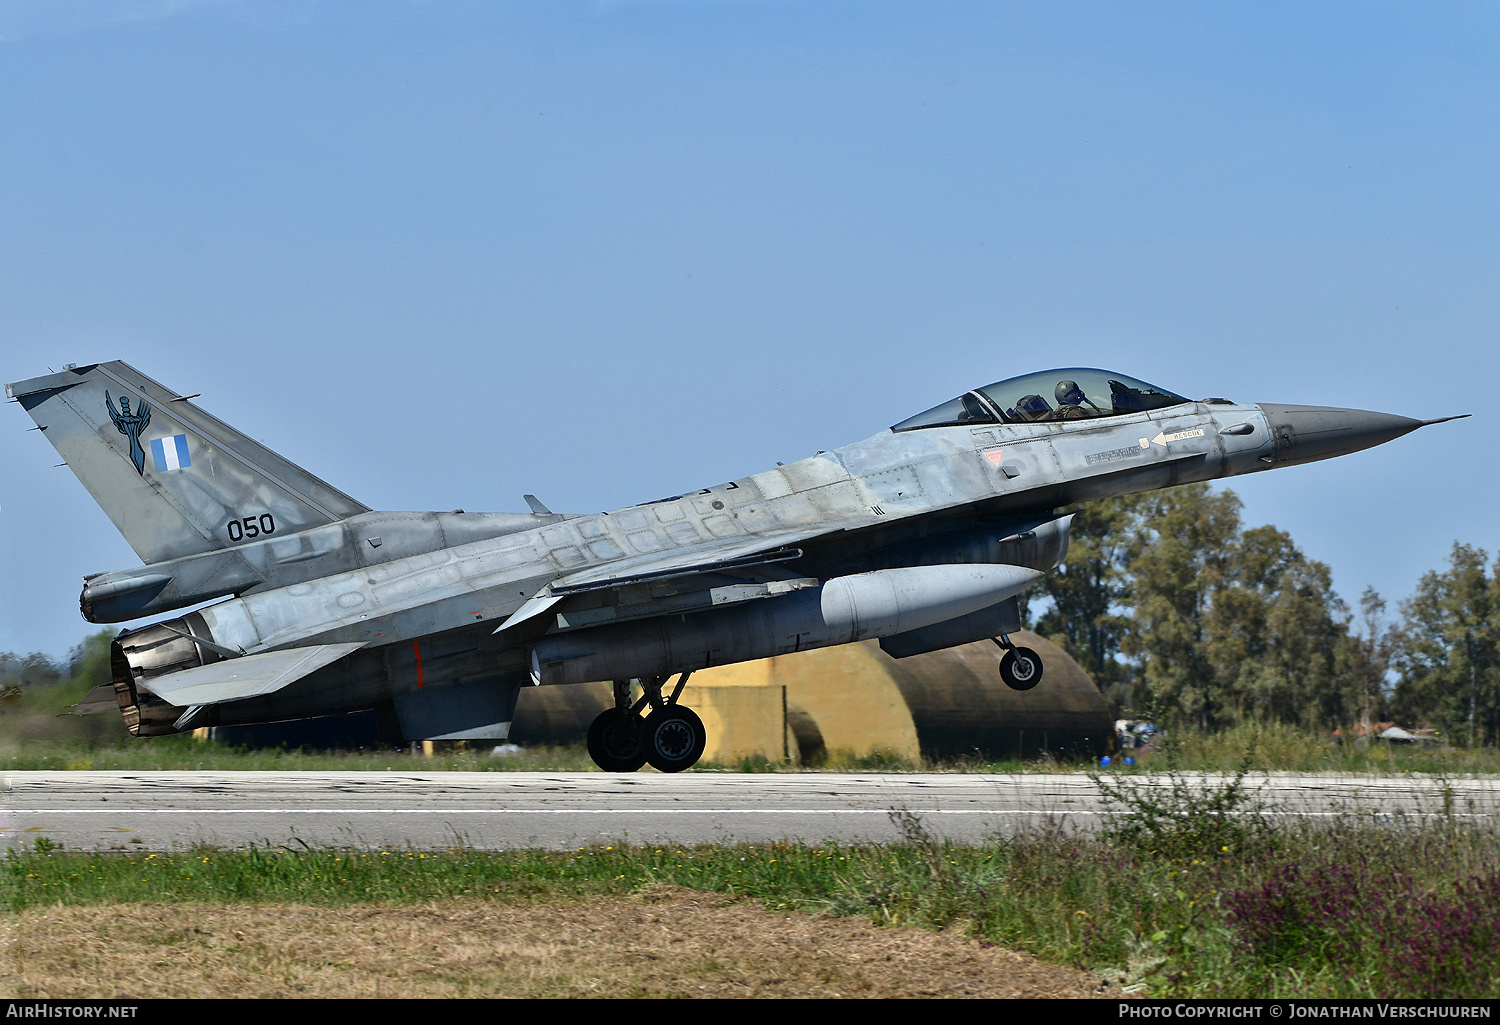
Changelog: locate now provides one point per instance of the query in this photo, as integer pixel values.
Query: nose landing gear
(671, 738)
(1020, 668)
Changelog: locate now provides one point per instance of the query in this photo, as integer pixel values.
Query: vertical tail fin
(175, 480)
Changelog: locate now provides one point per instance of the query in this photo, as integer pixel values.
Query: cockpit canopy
(1076, 393)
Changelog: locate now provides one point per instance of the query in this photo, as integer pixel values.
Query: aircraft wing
(247, 677)
(708, 557)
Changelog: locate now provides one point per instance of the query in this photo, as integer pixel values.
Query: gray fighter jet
(921, 536)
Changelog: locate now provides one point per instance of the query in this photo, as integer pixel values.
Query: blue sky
(443, 254)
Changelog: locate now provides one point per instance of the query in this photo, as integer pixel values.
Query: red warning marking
(416, 648)
(994, 455)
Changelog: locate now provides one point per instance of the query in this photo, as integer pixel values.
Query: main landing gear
(1020, 668)
(671, 737)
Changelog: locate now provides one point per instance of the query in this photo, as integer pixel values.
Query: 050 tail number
(251, 526)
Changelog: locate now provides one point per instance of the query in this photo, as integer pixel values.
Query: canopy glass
(1075, 393)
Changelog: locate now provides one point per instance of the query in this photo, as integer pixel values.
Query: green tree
(1238, 630)
(1365, 659)
(1447, 651)
(1179, 556)
(1229, 623)
(1088, 591)
(88, 662)
(1300, 678)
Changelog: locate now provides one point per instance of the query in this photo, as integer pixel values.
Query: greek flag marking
(170, 453)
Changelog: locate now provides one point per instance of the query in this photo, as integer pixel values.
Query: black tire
(617, 740)
(1021, 668)
(674, 738)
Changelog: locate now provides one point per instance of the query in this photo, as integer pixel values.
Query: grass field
(35, 742)
(1347, 911)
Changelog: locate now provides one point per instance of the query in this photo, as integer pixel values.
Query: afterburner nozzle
(1304, 434)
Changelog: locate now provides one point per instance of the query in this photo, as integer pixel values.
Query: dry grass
(664, 941)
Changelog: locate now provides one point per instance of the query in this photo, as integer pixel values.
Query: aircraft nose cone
(1307, 433)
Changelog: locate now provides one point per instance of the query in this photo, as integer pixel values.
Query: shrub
(1174, 814)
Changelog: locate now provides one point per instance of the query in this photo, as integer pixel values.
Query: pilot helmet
(1069, 394)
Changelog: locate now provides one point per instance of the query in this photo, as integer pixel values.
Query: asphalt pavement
(162, 811)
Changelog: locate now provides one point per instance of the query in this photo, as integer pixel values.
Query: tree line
(87, 665)
(1175, 607)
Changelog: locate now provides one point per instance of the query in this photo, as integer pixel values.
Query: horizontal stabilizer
(248, 677)
(98, 701)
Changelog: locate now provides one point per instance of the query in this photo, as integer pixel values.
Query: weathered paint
(433, 598)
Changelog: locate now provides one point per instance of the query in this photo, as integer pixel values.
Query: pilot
(1070, 401)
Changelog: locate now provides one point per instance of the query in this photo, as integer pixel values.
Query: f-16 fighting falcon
(921, 536)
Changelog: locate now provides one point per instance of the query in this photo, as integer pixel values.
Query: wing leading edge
(700, 560)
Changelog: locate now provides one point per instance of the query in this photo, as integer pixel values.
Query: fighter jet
(921, 537)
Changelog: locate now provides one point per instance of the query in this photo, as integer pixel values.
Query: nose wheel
(1020, 668)
(671, 738)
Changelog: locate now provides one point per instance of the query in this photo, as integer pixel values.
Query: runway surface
(161, 811)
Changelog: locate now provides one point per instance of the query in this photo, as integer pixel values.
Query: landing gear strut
(1020, 668)
(671, 737)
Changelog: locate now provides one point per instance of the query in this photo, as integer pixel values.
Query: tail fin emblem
(131, 425)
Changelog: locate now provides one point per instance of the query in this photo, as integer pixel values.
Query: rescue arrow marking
(1163, 438)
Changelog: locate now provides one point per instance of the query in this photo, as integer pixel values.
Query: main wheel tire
(674, 738)
(617, 740)
(1021, 669)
